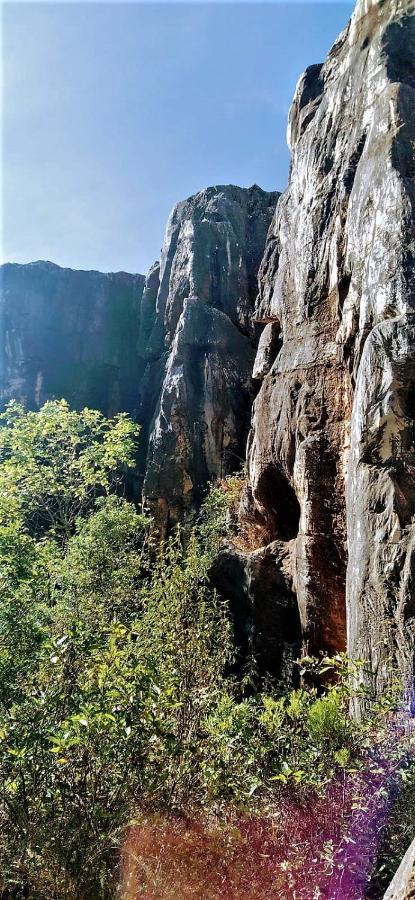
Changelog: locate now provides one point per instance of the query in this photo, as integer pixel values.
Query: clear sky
(114, 111)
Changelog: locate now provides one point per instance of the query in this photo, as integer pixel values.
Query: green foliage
(220, 510)
(112, 653)
(399, 831)
(56, 461)
(112, 715)
(115, 654)
(311, 736)
(100, 578)
(328, 724)
(235, 757)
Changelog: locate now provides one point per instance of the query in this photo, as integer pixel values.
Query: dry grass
(320, 848)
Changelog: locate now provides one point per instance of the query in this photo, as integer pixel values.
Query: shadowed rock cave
(275, 493)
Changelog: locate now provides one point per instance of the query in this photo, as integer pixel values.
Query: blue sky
(114, 111)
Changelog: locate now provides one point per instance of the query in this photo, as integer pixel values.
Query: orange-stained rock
(331, 460)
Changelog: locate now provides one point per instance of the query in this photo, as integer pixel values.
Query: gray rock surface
(71, 334)
(175, 350)
(203, 343)
(330, 458)
(330, 498)
(258, 587)
(402, 886)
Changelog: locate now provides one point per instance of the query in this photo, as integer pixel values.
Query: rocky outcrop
(201, 347)
(402, 886)
(175, 350)
(330, 498)
(259, 590)
(69, 334)
(331, 456)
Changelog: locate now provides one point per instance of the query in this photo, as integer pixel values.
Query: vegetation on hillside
(133, 759)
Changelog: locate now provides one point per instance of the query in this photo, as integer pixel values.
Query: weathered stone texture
(205, 340)
(175, 350)
(402, 886)
(71, 334)
(331, 459)
(330, 499)
(258, 587)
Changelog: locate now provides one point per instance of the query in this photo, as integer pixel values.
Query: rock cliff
(175, 350)
(201, 347)
(330, 496)
(69, 334)
(331, 456)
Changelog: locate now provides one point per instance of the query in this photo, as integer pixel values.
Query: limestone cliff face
(69, 334)
(330, 499)
(175, 350)
(331, 452)
(201, 347)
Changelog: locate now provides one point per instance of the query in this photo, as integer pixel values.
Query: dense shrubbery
(116, 698)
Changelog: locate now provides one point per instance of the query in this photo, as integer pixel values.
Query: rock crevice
(333, 423)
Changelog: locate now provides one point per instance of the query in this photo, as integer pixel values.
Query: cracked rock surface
(331, 456)
(202, 345)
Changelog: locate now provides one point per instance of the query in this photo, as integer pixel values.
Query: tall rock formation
(201, 347)
(331, 454)
(175, 350)
(330, 499)
(69, 334)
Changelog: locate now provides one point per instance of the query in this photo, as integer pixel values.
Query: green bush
(56, 461)
(329, 726)
(115, 692)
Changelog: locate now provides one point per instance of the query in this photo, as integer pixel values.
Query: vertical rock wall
(330, 499)
(175, 350)
(71, 334)
(331, 452)
(203, 344)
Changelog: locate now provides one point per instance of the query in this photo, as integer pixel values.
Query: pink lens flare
(319, 848)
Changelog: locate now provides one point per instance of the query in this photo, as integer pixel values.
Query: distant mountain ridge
(69, 334)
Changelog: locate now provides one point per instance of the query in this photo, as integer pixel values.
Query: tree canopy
(54, 462)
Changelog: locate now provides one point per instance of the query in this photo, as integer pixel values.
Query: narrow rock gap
(275, 493)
